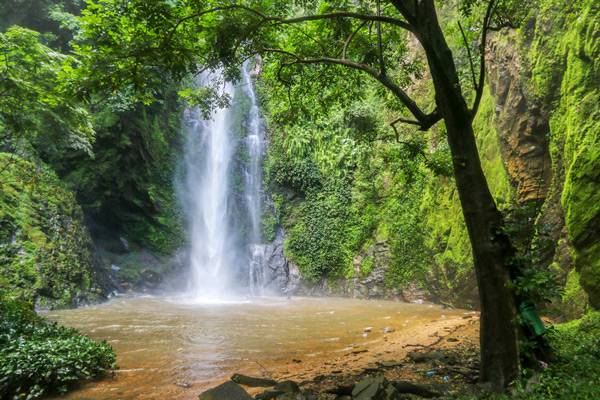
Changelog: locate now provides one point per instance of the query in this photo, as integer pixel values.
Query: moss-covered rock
(564, 61)
(45, 248)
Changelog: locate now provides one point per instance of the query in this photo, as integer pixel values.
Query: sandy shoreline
(351, 365)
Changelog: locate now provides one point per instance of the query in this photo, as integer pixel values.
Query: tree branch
(381, 62)
(280, 20)
(482, 46)
(404, 10)
(425, 121)
(464, 36)
(352, 37)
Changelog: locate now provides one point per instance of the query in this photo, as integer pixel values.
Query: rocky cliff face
(281, 275)
(522, 127)
(564, 65)
(45, 248)
(372, 285)
(539, 138)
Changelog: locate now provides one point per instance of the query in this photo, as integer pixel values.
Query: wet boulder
(226, 391)
(288, 387)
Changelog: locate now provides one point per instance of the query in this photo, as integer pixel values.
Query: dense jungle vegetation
(362, 181)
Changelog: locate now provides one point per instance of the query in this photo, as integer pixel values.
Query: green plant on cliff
(563, 58)
(44, 247)
(37, 357)
(534, 281)
(128, 187)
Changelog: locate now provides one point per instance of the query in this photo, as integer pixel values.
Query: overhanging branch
(349, 40)
(424, 121)
(280, 20)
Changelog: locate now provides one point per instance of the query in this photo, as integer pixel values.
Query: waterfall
(255, 143)
(208, 195)
(220, 263)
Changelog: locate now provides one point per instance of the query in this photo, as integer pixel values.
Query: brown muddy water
(173, 348)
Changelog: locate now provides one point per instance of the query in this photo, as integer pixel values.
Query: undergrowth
(37, 357)
(576, 373)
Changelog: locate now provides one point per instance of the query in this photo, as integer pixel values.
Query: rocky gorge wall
(46, 252)
(538, 132)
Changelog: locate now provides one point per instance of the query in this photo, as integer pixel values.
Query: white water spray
(212, 244)
(218, 261)
(255, 143)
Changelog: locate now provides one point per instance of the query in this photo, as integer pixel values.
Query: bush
(576, 373)
(37, 357)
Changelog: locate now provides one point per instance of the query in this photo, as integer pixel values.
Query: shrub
(37, 357)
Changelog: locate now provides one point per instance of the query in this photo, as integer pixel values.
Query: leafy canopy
(35, 92)
(318, 52)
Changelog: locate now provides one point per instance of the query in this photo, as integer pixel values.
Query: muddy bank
(440, 355)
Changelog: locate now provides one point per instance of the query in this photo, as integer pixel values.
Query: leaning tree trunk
(491, 252)
(491, 248)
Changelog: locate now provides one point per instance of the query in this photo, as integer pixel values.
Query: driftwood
(252, 382)
(411, 388)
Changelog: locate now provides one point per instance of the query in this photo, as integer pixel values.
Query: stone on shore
(371, 389)
(288, 387)
(269, 394)
(226, 391)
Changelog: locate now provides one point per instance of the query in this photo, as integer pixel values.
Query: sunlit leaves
(35, 91)
(206, 99)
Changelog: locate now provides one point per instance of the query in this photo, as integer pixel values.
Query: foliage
(45, 249)
(366, 266)
(44, 16)
(318, 240)
(269, 225)
(35, 95)
(534, 281)
(128, 188)
(37, 357)
(575, 374)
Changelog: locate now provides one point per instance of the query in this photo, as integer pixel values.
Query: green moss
(489, 148)
(451, 276)
(366, 266)
(565, 66)
(45, 250)
(574, 298)
(269, 223)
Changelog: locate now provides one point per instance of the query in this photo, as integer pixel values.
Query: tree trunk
(491, 251)
(491, 248)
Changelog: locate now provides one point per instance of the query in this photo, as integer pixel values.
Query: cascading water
(255, 143)
(212, 243)
(218, 259)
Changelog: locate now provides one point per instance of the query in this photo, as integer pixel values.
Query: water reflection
(171, 347)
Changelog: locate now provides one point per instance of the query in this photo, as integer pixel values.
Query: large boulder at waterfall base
(226, 391)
